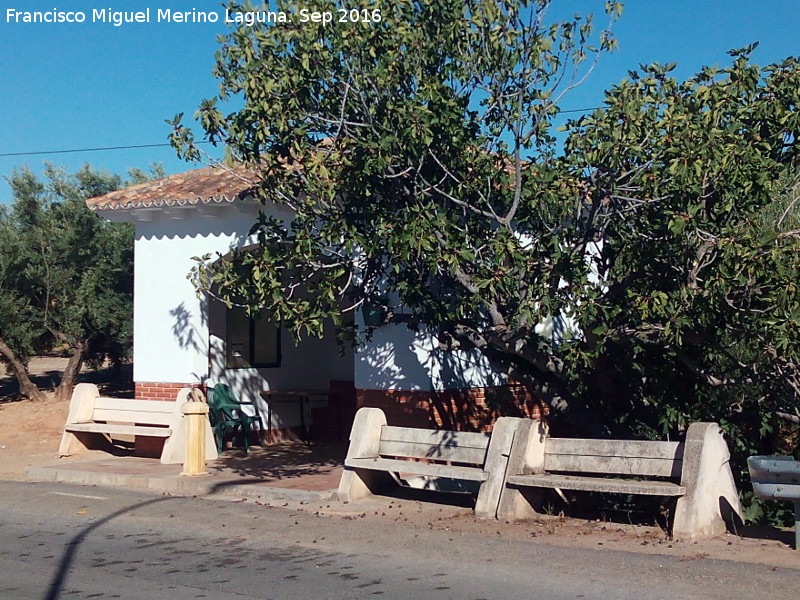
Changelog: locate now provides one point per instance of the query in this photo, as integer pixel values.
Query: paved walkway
(290, 470)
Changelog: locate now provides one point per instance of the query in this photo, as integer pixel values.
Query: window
(251, 341)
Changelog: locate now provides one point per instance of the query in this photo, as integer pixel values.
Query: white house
(182, 338)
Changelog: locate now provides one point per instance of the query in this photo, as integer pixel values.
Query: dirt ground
(30, 433)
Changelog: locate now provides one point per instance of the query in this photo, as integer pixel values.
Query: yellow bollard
(194, 461)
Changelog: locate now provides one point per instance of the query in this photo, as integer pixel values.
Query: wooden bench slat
(447, 446)
(119, 429)
(620, 448)
(613, 465)
(417, 468)
(597, 484)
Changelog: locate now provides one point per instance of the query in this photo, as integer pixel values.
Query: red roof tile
(215, 184)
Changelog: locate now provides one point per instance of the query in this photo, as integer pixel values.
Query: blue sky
(72, 86)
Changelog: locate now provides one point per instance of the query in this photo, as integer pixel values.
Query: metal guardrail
(777, 478)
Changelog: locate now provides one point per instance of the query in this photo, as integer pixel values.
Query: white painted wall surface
(172, 334)
(170, 327)
(171, 324)
(398, 358)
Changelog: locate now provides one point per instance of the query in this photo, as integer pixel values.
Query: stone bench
(91, 415)
(695, 471)
(379, 453)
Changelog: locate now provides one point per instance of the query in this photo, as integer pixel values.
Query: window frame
(249, 360)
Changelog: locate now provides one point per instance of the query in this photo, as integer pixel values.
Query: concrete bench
(91, 415)
(379, 453)
(695, 471)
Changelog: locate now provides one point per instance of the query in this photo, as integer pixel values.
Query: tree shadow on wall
(468, 408)
(185, 332)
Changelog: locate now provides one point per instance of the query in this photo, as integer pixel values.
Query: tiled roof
(201, 186)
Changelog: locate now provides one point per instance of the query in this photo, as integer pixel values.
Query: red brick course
(155, 390)
(458, 410)
(146, 390)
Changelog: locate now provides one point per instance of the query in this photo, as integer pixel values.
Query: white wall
(397, 358)
(172, 335)
(171, 323)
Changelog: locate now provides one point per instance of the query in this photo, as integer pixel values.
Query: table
(300, 396)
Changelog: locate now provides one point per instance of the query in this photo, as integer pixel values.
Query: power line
(76, 150)
(138, 146)
(574, 110)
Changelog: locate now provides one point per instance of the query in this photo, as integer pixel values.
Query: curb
(184, 486)
(274, 493)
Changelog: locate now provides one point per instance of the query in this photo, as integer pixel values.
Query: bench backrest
(450, 446)
(618, 457)
(143, 412)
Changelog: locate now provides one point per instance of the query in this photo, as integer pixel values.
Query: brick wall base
(151, 447)
(457, 410)
(149, 390)
(148, 447)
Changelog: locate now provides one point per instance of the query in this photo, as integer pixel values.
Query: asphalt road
(60, 541)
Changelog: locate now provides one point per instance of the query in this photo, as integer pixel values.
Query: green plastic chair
(226, 414)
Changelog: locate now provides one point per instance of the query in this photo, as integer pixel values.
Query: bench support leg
(711, 499)
(81, 407)
(357, 484)
(70, 444)
(526, 456)
(365, 437)
(497, 456)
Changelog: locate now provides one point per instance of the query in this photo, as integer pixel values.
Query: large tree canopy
(407, 143)
(419, 157)
(66, 276)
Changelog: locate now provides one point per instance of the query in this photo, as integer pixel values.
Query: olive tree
(66, 276)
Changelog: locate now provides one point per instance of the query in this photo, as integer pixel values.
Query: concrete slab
(282, 472)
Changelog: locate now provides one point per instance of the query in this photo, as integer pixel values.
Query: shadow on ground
(315, 467)
(768, 532)
(281, 461)
(112, 381)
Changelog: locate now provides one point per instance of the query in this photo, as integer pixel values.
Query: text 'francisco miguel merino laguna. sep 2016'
(118, 18)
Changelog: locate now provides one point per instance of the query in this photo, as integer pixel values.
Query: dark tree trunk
(26, 387)
(64, 390)
(580, 417)
(577, 414)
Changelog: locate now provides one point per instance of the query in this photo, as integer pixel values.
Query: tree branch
(705, 374)
(788, 417)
